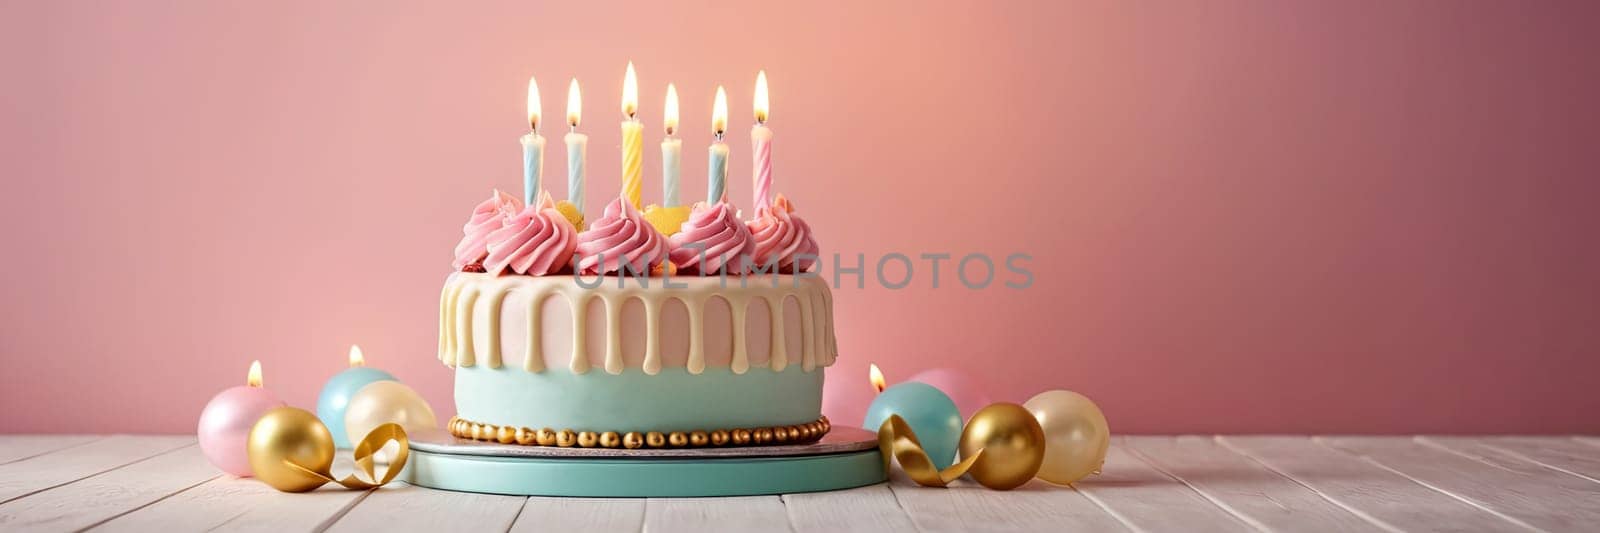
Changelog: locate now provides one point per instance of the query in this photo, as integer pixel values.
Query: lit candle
(717, 180)
(340, 388)
(226, 420)
(671, 149)
(761, 146)
(632, 140)
(577, 147)
(532, 150)
(876, 377)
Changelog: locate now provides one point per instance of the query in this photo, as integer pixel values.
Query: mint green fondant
(667, 478)
(673, 400)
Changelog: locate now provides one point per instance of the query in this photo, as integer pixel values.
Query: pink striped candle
(761, 146)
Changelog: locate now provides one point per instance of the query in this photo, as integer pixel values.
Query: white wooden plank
(743, 513)
(399, 507)
(27, 476)
(1557, 453)
(968, 506)
(1520, 491)
(18, 447)
(1145, 499)
(228, 503)
(1364, 488)
(1260, 497)
(95, 499)
(542, 514)
(872, 508)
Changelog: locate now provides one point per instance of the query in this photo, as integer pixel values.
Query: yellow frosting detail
(667, 220)
(462, 312)
(571, 212)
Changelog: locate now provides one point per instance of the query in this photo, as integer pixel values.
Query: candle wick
(719, 136)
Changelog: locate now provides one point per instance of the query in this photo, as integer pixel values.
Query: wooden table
(1186, 483)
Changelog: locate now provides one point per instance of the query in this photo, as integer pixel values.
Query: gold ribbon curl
(364, 452)
(899, 443)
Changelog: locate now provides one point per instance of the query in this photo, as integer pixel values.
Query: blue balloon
(929, 412)
(336, 396)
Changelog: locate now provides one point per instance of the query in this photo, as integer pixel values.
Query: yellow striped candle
(632, 141)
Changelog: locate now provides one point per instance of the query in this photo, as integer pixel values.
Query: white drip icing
(458, 318)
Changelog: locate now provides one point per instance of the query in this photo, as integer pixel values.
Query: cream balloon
(381, 402)
(1075, 433)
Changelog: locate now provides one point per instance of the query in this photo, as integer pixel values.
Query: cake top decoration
(504, 236)
(712, 241)
(537, 241)
(620, 237)
(782, 239)
(487, 217)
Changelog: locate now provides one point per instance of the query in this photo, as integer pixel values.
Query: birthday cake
(616, 334)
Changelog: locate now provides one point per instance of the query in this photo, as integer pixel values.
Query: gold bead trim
(567, 438)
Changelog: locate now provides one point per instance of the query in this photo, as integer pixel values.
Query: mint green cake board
(846, 458)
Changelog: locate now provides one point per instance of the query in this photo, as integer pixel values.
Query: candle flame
(719, 113)
(876, 376)
(630, 92)
(574, 104)
(254, 378)
(670, 111)
(533, 104)
(761, 97)
(356, 358)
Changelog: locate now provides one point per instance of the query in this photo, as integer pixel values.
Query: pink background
(1244, 216)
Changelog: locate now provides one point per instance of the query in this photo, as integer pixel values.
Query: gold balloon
(1012, 444)
(292, 451)
(382, 402)
(1075, 432)
(287, 449)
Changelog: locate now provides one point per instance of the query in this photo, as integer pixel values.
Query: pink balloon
(225, 426)
(968, 395)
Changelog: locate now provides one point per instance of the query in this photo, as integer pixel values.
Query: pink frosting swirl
(621, 237)
(486, 218)
(537, 241)
(782, 238)
(712, 239)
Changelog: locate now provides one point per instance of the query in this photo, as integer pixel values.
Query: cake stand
(846, 457)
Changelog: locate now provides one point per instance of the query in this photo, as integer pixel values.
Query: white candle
(532, 148)
(577, 147)
(671, 150)
(717, 178)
